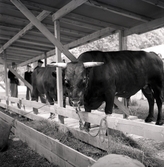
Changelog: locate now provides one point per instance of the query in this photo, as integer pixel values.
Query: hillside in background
(134, 42)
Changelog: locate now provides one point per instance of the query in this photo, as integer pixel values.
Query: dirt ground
(18, 154)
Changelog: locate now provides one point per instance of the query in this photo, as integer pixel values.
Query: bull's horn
(62, 65)
(92, 64)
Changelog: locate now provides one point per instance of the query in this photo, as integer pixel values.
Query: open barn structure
(37, 29)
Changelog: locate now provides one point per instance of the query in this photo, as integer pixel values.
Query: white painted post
(45, 59)
(123, 46)
(59, 70)
(6, 78)
(122, 41)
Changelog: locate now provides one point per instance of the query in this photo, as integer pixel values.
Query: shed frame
(89, 27)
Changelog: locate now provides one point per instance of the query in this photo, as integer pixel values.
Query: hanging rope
(100, 127)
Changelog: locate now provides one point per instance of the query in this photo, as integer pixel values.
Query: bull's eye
(66, 82)
(84, 80)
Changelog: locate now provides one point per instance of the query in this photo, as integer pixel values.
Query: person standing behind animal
(14, 82)
(39, 64)
(42, 96)
(27, 77)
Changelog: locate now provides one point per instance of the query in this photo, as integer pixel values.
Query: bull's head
(76, 79)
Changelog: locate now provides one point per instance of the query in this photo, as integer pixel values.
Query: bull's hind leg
(158, 95)
(150, 98)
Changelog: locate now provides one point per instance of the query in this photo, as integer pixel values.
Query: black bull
(44, 83)
(121, 73)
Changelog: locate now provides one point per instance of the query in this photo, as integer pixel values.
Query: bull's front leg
(87, 124)
(109, 99)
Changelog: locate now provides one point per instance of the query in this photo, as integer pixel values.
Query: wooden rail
(36, 139)
(56, 152)
(130, 125)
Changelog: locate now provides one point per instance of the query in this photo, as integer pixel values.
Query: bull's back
(42, 79)
(125, 61)
(129, 71)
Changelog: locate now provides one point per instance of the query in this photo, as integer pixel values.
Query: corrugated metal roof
(91, 17)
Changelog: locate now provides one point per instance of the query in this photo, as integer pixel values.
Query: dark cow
(121, 73)
(44, 83)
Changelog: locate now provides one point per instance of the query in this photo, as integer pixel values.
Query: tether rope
(100, 127)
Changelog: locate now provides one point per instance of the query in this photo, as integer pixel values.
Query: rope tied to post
(101, 128)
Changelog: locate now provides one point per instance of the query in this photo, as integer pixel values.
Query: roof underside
(88, 22)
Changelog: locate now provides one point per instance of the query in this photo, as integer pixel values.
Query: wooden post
(59, 70)
(45, 59)
(123, 46)
(42, 28)
(122, 41)
(6, 78)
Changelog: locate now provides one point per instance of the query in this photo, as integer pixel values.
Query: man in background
(27, 77)
(39, 64)
(14, 82)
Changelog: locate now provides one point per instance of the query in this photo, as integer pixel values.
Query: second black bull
(44, 83)
(100, 76)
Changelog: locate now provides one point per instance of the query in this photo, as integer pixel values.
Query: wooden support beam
(40, 17)
(59, 70)
(41, 56)
(91, 37)
(123, 46)
(155, 3)
(74, 16)
(22, 79)
(84, 25)
(122, 41)
(25, 49)
(67, 9)
(6, 79)
(145, 27)
(43, 29)
(119, 11)
(45, 59)
(16, 74)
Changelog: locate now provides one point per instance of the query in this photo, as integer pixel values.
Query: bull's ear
(62, 65)
(92, 64)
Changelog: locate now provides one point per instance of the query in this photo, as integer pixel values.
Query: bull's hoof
(149, 119)
(86, 129)
(159, 123)
(35, 111)
(18, 105)
(52, 116)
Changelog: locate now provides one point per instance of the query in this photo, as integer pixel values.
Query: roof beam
(40, 17)
(28, 41)
(25, 49)
(74, 16)
(155, 3)
(118, 11)
(79, 24)
(67, 9)
(145, 27)
(82, 18)
(98, 34)
(91, 37)
(42, 28)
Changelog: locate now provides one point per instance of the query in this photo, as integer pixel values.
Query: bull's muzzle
(75, 102)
